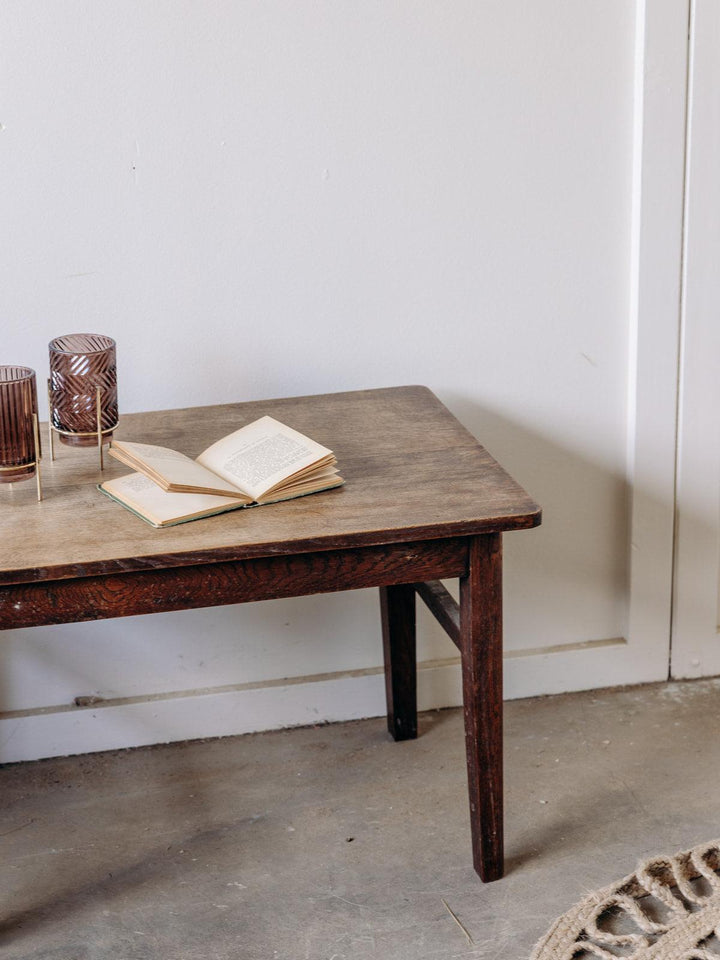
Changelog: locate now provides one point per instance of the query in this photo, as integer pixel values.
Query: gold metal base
(99, 433)
(34, 463)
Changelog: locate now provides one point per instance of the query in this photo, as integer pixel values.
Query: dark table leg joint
(442, 606)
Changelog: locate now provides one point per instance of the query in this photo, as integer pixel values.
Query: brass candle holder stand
(82, 391)
(33, 463)
(20, 451)
(81, 435)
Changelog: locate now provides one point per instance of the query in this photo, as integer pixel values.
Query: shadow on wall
(568, 581)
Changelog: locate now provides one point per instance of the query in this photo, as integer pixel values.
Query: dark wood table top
(412, 473)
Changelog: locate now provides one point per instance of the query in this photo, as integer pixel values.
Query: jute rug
(668, 909)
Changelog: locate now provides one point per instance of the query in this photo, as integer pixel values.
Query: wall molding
(235, 709)
(658, 197)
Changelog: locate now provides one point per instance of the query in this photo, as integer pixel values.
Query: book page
(301, 489)
(317, 478)
(168, 467)
(261, 455)
(148, 499)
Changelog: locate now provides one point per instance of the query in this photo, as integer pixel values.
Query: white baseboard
(299, 701)
(190, 715)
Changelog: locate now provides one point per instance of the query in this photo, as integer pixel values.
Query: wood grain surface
(443, 607)
(482, 677)
(237, 581)
(413, 472)
(397, 615)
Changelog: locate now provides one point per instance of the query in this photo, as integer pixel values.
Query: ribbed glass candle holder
(18, 433)
(83, 366)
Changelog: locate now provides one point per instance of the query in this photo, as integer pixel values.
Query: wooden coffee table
(423, 502)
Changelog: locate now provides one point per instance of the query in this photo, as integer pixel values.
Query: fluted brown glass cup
(18, 403)
(80, 363)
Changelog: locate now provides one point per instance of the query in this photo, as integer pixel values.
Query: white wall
(261, 199)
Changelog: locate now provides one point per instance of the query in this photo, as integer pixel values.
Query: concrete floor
(334, 843)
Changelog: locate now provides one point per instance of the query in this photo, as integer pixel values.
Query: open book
(263, 462)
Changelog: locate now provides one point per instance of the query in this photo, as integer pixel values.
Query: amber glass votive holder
(82, 391)
(19, 436)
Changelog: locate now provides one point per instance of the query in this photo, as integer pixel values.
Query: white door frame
(655, 316)
(658, 190)
(695, 647)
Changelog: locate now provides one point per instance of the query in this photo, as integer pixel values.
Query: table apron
(213, 584)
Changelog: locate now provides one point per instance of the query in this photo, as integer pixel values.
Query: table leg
(481, 646)
(397, 607)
